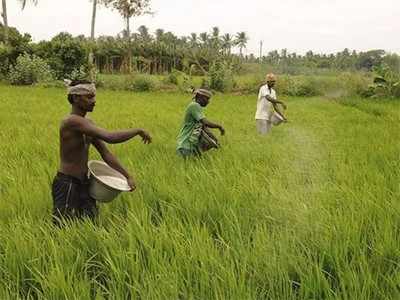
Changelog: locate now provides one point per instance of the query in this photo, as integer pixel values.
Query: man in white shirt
(265, 105)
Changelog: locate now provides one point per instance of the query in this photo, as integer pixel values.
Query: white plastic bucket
(276, 119)
(105, 182)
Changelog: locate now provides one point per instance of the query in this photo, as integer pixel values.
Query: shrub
(114, 82)
(86, 73)
(52, 84)
(79, 74)
(386, 82)
(16, 45)
(5, 52)
(307, 87)
(249, 84)
(299, 86)
(187, 83)
(221, 77)
(346, 84)
(172, 78)
(355, 84)
(143, 83)
(29, 70)
(205, 83)
(64, 54)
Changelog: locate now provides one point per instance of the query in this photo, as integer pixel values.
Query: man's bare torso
(74, 150)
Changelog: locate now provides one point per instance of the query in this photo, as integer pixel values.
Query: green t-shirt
(188, 137)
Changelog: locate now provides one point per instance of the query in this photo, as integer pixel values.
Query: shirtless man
(70, 188)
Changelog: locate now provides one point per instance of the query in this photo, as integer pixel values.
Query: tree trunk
(128, 30)
(93, 19)
(92, 67)
(5, 20)
(128, 35)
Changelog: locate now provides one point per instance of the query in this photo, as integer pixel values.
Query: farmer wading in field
(70, 193)
(194, 136)
(266, 104)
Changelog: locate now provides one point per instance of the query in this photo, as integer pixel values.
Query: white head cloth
(81, 89)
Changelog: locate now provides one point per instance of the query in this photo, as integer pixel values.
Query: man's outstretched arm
(210, 124)
(274, 101)
(87, 127)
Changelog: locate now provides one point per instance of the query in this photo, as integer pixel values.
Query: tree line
(161, 51)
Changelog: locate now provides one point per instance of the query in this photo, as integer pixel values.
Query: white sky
(298, 25)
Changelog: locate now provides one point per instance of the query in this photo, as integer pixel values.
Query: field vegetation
(309, 212)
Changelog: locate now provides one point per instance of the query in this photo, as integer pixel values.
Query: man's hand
(131, 183)
(269, 98)
(145, 136)
(222, 130)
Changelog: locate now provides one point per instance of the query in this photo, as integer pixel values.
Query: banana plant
(386, 82)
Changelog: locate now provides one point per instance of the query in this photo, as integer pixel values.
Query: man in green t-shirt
(194, 128)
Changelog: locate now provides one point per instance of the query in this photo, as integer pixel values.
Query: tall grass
(309, 212)
(335, 85)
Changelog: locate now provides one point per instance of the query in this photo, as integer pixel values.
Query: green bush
(221, 77)
(171, 78)
(64, 53)
(298, 86)
(186, 83)
(87, 73)
(205, 83)
(386, 82)
(79, 74)
(16, 45)
(5, 52)
(52, 84)
(307, 87)
(249, 84)
(29, 70)
(143, 83)
(114, 82)
(286, 85)
(355, 84)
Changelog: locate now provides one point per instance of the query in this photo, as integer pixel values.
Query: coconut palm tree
(159, 34)
(23, 2)
(241, 41)
(4, 14)
(94, 10)
(227, 42)
(129, 9)
(92, 27)
(144, 33)
(215, 37)
(204, 39)
(193, 40)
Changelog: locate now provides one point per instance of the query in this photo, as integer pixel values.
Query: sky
(323, 26)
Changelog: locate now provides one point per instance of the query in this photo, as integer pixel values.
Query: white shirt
(264, 107)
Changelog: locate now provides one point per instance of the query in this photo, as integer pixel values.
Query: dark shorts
(71, 199)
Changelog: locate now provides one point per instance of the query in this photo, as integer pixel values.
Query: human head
(202, 96)
(270, 79)
(82, 94)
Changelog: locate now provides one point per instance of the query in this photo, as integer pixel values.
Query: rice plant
(311, 211)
